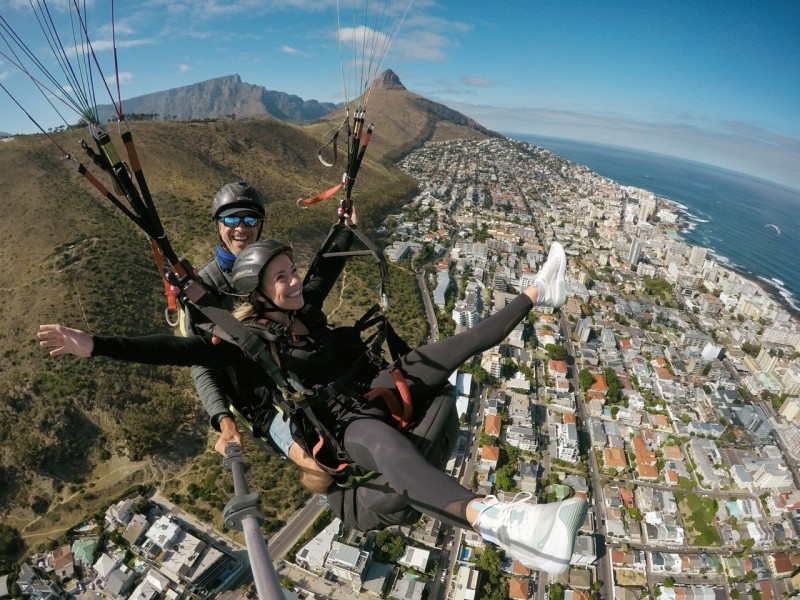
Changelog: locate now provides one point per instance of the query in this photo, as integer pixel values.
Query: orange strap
(302, 203)
(405, 395)
(401, 411)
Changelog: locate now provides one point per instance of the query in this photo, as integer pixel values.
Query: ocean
(750, 225)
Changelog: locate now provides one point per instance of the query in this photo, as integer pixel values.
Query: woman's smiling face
(282, 284)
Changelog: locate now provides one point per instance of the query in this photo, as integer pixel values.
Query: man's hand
(229, 434)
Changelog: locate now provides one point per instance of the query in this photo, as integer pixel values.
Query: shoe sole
(557, 553)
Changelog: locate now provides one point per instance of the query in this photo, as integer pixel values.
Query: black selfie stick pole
(242, 513)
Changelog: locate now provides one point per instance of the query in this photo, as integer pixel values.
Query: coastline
(780, 294)
(729, 210)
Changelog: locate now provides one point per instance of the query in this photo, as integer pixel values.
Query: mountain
(221, 97)
(74, 431)
(404, 120)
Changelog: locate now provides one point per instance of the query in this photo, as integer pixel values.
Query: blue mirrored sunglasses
(236, 220)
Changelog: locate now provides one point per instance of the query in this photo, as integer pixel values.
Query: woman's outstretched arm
(149, 349)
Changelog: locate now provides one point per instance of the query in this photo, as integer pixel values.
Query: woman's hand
(351, 220)
(65, 340)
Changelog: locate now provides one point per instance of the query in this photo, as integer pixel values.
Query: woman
(541, 536)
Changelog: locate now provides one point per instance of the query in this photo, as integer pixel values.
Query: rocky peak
(388, 80)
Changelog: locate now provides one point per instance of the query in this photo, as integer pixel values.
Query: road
(430, 313)
(286, 538)
(604, 567)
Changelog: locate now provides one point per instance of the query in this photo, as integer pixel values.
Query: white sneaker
(540, 536)
(551, 277)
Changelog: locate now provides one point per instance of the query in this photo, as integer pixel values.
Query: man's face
(239, 230)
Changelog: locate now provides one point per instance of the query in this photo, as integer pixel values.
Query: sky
(713, 82)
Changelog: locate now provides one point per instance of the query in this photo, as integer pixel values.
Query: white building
(347, 562)
(567, 441)
(466, 584)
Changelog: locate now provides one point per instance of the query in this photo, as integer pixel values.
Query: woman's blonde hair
(248, 309)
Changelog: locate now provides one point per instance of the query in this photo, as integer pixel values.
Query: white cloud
(427, 46)
(741, 147)
(103, 45)
(362, 37)
(291, 51)
(99, 46)
(184, 68)
(473, 81)
(210, 9)
(121, 27)
(123, 77)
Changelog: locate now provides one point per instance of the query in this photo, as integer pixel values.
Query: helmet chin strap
(269, 306)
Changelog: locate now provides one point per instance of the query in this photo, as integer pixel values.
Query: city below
(666, 392)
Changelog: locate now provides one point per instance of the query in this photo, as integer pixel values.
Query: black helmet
(252, 261)
(237, 195)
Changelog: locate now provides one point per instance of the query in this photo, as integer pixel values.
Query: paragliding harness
(306, 407)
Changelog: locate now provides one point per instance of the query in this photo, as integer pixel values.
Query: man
(237, 212)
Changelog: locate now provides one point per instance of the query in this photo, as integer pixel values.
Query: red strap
(391, 402)
(405, 394)
(168, 291)
(400, 412)
(319, 197)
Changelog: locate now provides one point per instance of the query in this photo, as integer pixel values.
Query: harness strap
(306, 202)
(260, 442)
(405, 396)
(293, 396)
(169, 292)
(401, 410)
(315, 451)
(215, 274)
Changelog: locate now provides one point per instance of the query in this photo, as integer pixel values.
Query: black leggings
(378, 446)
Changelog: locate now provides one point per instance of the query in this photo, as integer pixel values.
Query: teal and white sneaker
(540, 536)
(550, 279)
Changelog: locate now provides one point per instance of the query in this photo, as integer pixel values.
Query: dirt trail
(105, 486)
(341, 294)
(117, 476)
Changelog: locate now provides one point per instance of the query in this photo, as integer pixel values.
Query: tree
(11, 547)
(751, 349)
(556, 351)
(390, 545)
(504, 478)
(585, 378)
(614, 386)
(556, 592)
